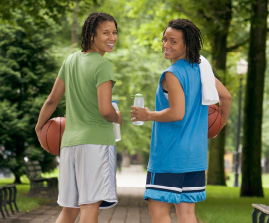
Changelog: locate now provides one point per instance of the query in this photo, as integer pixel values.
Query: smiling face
(174, 47)
(105, 38)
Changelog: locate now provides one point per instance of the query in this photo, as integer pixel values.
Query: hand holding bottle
(139, 114)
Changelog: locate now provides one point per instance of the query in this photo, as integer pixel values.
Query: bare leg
(159, 211)
(89, 212)
(186, 212)
(68, 215)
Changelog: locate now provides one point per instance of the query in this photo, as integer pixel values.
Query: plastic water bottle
(116, 127)
(139, 102)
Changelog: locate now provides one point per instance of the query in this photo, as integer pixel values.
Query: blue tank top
(181, 146)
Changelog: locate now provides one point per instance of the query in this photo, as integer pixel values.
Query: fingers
(139, 114)
(38, 133)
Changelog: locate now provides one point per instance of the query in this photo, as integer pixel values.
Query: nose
(112, 36)
(165, 44)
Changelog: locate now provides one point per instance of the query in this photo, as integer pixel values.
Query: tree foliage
(27, 71)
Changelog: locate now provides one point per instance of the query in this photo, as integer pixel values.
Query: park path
(130, 209)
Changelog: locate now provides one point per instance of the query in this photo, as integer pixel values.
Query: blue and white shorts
(176, 187)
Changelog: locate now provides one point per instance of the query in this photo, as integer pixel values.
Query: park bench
(8, 198)
(39, 184)
(261, 211)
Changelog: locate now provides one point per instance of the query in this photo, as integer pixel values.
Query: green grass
(223, 205)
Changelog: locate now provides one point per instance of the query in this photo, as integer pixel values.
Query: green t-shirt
(82, 74)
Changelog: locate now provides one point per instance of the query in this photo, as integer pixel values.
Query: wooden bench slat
(263, 208)
(39, 183)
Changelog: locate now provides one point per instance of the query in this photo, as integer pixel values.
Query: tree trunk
(216, 170)
(253, 110)
(216, 174)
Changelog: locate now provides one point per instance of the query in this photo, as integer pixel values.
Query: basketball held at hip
(51, 135)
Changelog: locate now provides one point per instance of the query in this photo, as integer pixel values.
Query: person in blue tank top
(178, 153)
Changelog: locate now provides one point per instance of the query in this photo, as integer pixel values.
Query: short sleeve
(62, 72)
(105, 73)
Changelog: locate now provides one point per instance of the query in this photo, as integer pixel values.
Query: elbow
(230, 98)
(50, 101)
(179, 117)
(106, 114)
(227, 98)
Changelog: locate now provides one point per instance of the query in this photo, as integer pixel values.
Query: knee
(187, 216)
(70, 211)
(159, 217)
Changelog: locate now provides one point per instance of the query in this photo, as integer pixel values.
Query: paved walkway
(130, 209)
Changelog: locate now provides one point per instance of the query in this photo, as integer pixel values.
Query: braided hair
(90, 25)
(192, 38)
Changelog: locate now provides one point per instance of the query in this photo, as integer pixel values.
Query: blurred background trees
(36, 36)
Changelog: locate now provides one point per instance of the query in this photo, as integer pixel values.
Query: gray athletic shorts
(87, 175)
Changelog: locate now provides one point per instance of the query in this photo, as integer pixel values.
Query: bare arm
(225, 100)
(176, 110)
(104, 94)
(50, 105)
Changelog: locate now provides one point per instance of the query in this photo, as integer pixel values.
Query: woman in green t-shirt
(87, 177)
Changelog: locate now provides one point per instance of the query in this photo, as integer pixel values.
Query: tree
(39, 10)
(253, 110)
(27, 73)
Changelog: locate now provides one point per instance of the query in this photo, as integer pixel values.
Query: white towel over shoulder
(210, 94)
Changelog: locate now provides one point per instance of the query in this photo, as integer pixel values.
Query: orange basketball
(51, 135)
(215, 120)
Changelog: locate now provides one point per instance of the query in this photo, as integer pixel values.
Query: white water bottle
(116, 126)
(139, 102)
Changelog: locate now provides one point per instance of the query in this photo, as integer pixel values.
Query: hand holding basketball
(51, 135)
(215, 121)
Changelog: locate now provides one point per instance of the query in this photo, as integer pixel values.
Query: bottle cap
(115, 102)
(139, 95)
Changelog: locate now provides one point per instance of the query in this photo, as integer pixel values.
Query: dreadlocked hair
(89, 28)
(192, 37)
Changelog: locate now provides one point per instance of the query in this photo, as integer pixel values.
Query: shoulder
(105, 64)
(71, 57)
(106, 61)
(177, 68)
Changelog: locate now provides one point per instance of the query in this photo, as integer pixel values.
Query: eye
(173, 42)
(115, 33)
(164, 39)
